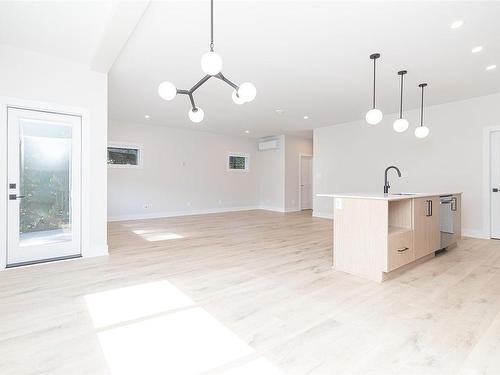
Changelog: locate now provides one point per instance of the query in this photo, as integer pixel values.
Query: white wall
(272, 177)
(184, 172)
(54, 84)
(294, 146)
(352, 157)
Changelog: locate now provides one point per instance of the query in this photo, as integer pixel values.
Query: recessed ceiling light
(306, 117)
(491, 67)
(247, 131)
(279, 111)
(147, 116)
(456, 24)
(477, 49)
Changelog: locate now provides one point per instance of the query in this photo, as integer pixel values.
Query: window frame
(135, 146)
(238, 154)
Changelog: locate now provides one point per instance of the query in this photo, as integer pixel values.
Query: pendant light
(211, 64)
(401, 124)
(422, 131)
(374, 115)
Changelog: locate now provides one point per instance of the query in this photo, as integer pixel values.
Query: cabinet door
(457, 217)
(420, 226)
(434, 225)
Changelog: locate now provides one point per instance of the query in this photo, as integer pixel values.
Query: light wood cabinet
(426, 226)
(399, 249)
(377, 238)
(457, 218)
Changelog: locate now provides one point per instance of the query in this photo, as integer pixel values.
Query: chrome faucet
(386, 182)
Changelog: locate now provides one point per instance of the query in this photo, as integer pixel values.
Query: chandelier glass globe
(374, 116)
(167, 90)
(211, 63)
(196, 115)
(247, 91)
(400, 125)
(421, 132)
(236, 98)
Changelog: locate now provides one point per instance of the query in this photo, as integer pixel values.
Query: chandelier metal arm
(190, 92)
(200, 82)
(191, 99)
(223, 78)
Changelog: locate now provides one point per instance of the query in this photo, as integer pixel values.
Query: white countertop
(388, 197)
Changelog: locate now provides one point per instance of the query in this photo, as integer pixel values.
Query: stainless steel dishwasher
(448, 220)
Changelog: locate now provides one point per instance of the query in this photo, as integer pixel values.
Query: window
(124, 156)
(238, 162)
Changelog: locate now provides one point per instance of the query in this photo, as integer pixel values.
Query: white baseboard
(323, 215)
(158, 215)
(475, 234)
(271, 208)
(95, 252)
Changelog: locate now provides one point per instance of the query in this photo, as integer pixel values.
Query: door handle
(495, 190)
(429, 208)
(14, 197)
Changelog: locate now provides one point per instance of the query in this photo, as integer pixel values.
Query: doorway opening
(305, 182)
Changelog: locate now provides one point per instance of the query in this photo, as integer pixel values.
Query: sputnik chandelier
(211, 64)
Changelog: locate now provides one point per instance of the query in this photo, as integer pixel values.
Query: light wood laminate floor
(247, 293)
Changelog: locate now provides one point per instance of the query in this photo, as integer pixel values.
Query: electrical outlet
(188, 204)
(146, 206)
(220, 201)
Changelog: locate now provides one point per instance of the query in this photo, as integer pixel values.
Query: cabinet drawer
(399, 250)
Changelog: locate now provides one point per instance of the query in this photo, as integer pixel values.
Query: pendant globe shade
(211, 63)
(167, 90)
(401, 125)
(422, 131)
(374, 116)
(196, 115)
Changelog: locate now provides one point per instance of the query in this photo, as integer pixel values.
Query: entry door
(306, 182)
(44, 186)
(495, 184)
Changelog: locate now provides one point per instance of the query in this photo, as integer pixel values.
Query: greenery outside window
(238, 162)
(124, 155)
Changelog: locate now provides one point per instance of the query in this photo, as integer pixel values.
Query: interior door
(44, 186)
(495, 184)
(306, 182)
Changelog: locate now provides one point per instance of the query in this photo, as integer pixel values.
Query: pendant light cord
(422, 109)
(211, 25)
(374, 80)
(401, 99)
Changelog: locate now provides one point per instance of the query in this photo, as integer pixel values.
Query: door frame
(487, 132)
(301, 155)
(5, 103)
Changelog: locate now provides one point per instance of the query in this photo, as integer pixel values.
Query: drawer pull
(403, 249)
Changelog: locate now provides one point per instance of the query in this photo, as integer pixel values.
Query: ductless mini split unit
(269, 144)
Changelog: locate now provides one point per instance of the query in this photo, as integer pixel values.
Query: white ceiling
(305, 57)
(67, 29)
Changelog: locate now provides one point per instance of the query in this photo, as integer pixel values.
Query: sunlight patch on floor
(138, 301)
(184, 342)
(155, 328)
(156, 235)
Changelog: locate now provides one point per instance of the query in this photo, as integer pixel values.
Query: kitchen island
(376, 236)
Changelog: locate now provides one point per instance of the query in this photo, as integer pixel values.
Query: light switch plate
(338, 203)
